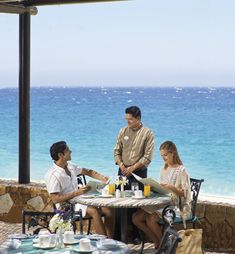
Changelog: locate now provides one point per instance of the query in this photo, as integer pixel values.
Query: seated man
(61, 183)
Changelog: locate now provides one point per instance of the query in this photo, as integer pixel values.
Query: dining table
(124, 203)
(27, 245)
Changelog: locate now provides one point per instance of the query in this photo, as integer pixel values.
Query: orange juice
(146, 190)
(111, 188)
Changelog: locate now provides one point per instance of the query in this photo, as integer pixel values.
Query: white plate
(87, 196)
(96, 237)
(18, 236)
(138, 197)
(84, 251)
(36, 245)
(107, 244)
(106, 196)
(74, 242)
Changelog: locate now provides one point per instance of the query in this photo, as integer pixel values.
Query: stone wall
(218, 223)
(14, 197)
(218, 214)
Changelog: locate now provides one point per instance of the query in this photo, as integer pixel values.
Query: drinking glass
(99, 187)
(134, 186)
(111, 189)
(146, 190)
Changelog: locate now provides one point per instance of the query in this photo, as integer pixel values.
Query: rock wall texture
(218, 225)
(14, 197)
(218, 218)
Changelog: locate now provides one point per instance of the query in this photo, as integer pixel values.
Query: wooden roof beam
(54, 2)
(17, 9)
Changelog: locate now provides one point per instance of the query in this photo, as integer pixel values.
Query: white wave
(129, 101)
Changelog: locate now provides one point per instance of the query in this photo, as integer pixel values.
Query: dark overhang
(29, 6)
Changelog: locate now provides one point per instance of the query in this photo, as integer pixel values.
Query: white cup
(104, 192)
(85, 244)
(138, 194)
(68, 236)
(44, 240)
(134, 186)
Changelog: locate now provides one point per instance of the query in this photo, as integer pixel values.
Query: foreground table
(28, 248)
(160, 201)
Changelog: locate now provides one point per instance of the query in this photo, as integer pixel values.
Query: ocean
(201, 121)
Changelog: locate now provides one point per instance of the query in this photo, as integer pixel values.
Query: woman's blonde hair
(170, 147)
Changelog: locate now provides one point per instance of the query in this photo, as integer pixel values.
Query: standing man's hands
(129, 171)
(123, 168)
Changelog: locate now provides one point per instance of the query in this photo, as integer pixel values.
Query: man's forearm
(94, 174)
(58, 198)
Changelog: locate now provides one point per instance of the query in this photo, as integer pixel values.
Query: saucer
(75, 241)
(84, 251)
(96, 237)
(87, 196)
(18, 236)
(36, 245)
(134, 197)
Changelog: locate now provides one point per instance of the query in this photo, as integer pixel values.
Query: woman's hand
(170, 187)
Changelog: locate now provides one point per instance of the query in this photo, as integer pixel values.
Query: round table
(160, 201)
(27, 247)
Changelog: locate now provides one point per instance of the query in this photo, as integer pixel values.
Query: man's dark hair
(56, 148)
(134, 111)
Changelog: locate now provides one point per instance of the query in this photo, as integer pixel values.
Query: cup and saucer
(85, 246)
(68, 238)
(45, 242)
(138, 195)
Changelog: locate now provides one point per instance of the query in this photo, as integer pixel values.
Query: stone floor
(10, 228)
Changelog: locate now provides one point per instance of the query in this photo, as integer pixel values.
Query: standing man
(133, 153)
(134, 148)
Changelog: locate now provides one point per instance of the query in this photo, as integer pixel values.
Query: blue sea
(201, 121)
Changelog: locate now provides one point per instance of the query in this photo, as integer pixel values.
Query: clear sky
(134, 43)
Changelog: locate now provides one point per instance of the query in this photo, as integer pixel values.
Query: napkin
(107, 244)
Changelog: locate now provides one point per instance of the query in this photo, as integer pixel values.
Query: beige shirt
(180, 179)
(134, 146)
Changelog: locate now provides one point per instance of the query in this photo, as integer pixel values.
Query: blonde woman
(174, 177)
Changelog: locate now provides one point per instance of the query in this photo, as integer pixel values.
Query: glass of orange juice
(111, 189)
(147, 190)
